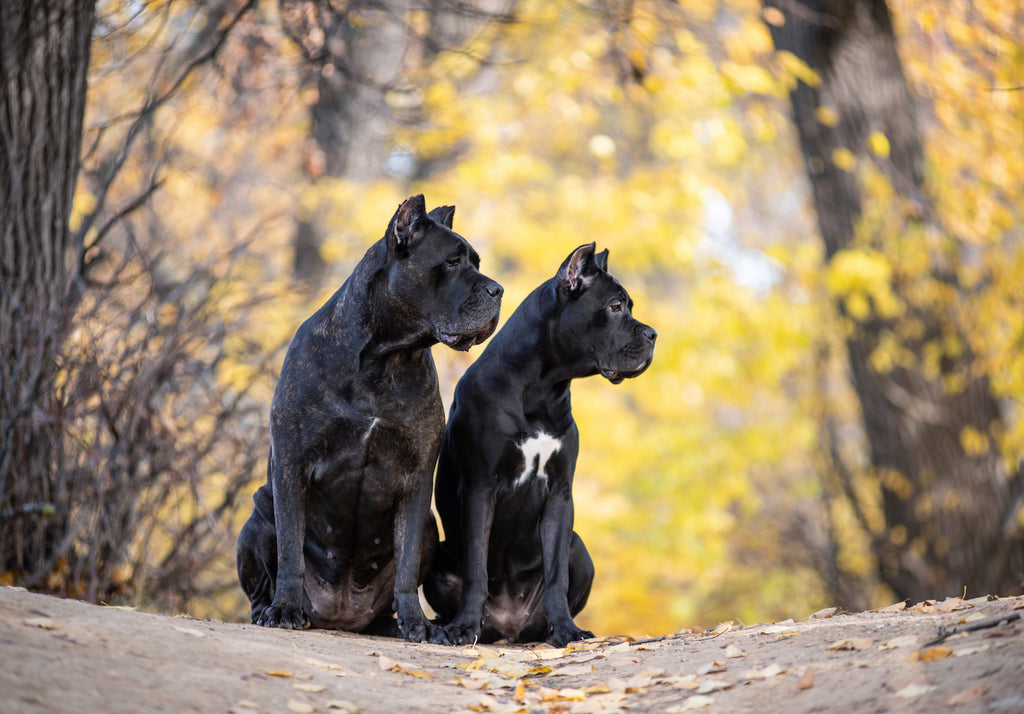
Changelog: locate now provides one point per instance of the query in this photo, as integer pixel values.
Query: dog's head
(433, 275)
(596, 322)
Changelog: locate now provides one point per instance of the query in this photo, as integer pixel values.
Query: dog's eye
(453, 262)
(615, 307)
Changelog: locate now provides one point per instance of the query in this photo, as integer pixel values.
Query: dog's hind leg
(443, 584)
(256, 559)
(581, 574)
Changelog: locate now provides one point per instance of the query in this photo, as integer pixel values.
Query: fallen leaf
(47, 623)
(511, 670)
(598, 689)
(307, 687)
(688, 682)
(244, 706)
(723, 627)
(390, 665)
(969, 650)
(697, 701)
(471, 683)
(897, 642)
(279, 673)
(912, 691)
(343, 704)
(479, 652)
(931, 654)
(572, 670)
(824, 614)
(520, 694)
(776, 629)
(857, 643)
(806, 680)
(546, 654)
(571, 694)
(601, 703)
(711, 668)
(732, 652)
(713, 685)
(966, 696)
(189, 631)
(772, 670)
(895, 607)
(300, 707)
(950, 604)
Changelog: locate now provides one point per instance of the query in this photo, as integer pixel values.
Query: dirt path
(68, 656)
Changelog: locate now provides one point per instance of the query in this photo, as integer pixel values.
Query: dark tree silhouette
(44, 58)
(951, 517)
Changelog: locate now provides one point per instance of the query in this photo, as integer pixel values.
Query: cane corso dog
(511, 565)
(342, 533)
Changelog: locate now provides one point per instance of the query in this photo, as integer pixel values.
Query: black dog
(342, 534)
(511, 565)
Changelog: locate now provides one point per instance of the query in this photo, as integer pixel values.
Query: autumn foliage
(734, 478)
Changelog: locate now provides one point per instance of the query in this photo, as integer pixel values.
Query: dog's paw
(562, 634)
(438, 635)
(417, 629)
(463, 632)
(287, 618)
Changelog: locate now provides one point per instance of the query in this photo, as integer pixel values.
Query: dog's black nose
(650, 334)
(492, 288)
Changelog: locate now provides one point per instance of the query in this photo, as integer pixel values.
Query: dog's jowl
(342, 534)
(511, 565)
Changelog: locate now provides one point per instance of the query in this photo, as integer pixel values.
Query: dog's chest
(536, 453)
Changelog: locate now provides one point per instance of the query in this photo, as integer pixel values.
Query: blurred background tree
(833, 414)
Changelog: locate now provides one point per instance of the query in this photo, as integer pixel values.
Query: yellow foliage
(879, 144)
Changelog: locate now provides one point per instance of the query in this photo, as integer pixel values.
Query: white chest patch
(536, 452)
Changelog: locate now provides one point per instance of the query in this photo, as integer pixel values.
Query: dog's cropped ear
(443, 215)
(407, 226)
(573, 278)
(602, 260)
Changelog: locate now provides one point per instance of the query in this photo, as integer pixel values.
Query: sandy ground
(68, 656)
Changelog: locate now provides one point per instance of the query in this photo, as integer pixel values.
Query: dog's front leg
(556, 536)
(409, 519)
(290, 526)
(477, 518)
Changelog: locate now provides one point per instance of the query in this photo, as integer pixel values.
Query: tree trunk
(951, 516)
(44, 58)
(352, 55)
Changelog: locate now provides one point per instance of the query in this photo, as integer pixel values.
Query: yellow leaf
(797, 68)
(879, 144)
(973, 441)
(931, 654)
(308, 687)
(844, 159)
(857, 643)
(827, 116)
(774, 16)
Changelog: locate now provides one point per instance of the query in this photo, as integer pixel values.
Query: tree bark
(352, 56)
(44, 59)
(951, 517)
